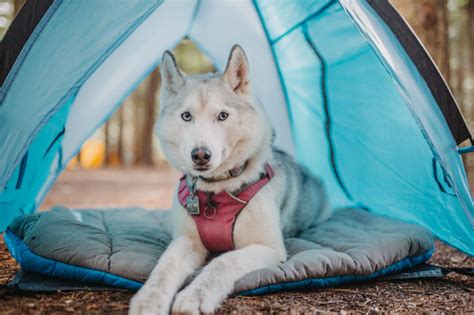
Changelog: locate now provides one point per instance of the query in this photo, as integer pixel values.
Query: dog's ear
(172, 78)
(236, 73)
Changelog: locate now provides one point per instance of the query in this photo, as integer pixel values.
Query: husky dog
(213, 129)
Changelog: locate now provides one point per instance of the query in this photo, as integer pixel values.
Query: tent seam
(302, 22)
(277, 66)
(328, 121)
(193, 18)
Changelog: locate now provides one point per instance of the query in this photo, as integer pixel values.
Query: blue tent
(349, 88)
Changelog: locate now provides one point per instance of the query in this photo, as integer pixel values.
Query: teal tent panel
(295, 13)
(371, 121)
(36, 172)
(302, 80)
(447, 164)
(416, 91)
(383, 156)
(66, 47)
(73, 40)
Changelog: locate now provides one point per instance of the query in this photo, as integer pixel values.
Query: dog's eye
(186, 116)
(222, 116)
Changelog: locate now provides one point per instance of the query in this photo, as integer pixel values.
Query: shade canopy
(351, 92)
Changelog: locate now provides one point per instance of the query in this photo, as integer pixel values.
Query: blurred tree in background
(429, 19)
(446, 27)
(7, 13)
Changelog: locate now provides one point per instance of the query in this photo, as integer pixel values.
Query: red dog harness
(217, 213)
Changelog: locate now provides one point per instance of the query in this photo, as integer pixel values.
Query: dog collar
(233, 172)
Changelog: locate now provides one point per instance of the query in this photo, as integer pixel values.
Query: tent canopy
(348, 87)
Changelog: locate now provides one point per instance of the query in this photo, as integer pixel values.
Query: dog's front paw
(193, 301)
(187, 302)
(148, 302)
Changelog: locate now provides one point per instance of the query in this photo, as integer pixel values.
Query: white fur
(245, 136)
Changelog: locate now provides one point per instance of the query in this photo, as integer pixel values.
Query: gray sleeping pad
(129, 242)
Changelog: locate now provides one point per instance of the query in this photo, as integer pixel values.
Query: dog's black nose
(201, 156)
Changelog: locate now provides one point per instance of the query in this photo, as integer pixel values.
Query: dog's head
(210, 123)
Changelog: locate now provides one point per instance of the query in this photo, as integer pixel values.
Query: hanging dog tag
(192, 204)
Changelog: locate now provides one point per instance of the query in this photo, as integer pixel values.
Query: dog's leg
(217, 279)
(181, 258)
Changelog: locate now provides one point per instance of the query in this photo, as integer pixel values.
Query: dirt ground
(153, 189)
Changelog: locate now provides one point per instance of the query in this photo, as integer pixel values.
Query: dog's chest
(215, 214)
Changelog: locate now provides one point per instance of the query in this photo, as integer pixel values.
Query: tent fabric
(120, 247)
(348, 87)
(426, 68)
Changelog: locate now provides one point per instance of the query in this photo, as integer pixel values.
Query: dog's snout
(201, 155)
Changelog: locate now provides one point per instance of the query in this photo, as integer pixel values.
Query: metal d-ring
(213, 213)
(209, 206)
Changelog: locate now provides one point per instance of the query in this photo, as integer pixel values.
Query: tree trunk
(444, 55)
(137, 127)
(107, 143)
(120, 151)
(469, 99)
(470, 8)
(149, 118)
(429, 19)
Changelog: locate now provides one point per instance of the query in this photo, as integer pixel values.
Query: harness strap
(217, 213)
(249, 190)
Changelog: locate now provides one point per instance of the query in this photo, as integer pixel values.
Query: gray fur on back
(304, 202)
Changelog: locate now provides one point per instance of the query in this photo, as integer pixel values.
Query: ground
(153, 188)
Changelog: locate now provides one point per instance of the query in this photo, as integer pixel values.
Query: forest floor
(151, 188)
